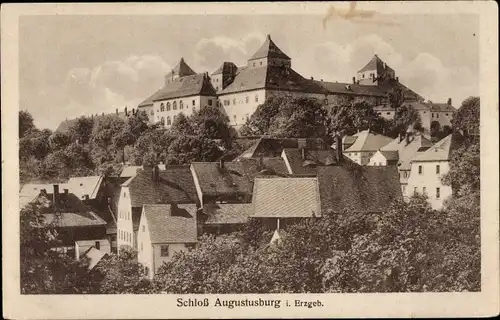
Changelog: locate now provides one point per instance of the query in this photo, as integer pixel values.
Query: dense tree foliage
(466, 120)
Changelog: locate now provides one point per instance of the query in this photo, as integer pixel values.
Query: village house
(361, 146)
(232, 182)
(304, 161)
(427, 169)
(165, 229)
(149, 186)
(280, 201)
(399, 152)
(431, 114)
(74, 221)
(267, 147)
(354, 188)
(220, 218)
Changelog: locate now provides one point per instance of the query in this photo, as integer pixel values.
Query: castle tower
(375, 72)
(182, 69)
(269, 55)
(224, 75)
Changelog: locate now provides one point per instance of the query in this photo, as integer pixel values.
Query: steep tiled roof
(368, 141)
(272, 147)
(235, 178)
(30, 191)
(375, 64)
(407, 151)
(227, 213)
(175, 185)
(193, 85)
(169, 224)
(182, 69)
(149, 100)
(441, 151)
(82, 186)
(417, 105)
(442, 107)
(298, 164)
(359, 189)
(271, 78)
(350, 88)
(390, 155)
(286, 198)
(270, 50)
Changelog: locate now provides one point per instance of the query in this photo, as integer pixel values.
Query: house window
(162, 107)
(438, 169)
(438, 193)
(363, 75)
(162, 120)
(209, 102)
(98, 245)
(256, 98)
(420, 170)
(169, 121)
(388, 113)
(247, 99)
(433, 115)
(194, 102)
(143, 228)
(174, 105)
(226, 102)
(261, 63)
(181, 105)
(124, 194)
(164, 251)
(168, 106)
(446, 114)
(437, 115)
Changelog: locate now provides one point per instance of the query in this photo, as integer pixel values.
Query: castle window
(256, 98)
(388, 113)
(174, 105)
(446, 114)
(261, 63)
(162, 107)
(168, 106)
(247, 99)
(437, 115)
(162, 120)
(209, 102)
(169, 121)
(438, 193)
(438, 169)
(226, 102)
(254, 64)
(420, 170)
(363, 75)
(194, 102)
(181, 105)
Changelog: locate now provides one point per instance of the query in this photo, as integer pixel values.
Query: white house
(427, 169)
(165, 229)
(365, 145)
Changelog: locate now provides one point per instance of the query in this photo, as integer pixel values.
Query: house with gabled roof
(219, 218)
(165, 229)
(400, 152)
(232, 182)
(427, 169)
(149, 186)
(364, 146)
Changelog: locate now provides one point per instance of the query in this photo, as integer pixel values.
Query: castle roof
(182, 69)
(376, 64)
(226, 67)
(269, 50)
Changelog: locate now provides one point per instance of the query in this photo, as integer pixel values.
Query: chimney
(303, 152)
(86, 197)
(449, 101)
(173, 209)
(55, 195)
(221, 163)
(312, 78)
(353, 80)
(397, 79)
(66, 192)
(116, 111)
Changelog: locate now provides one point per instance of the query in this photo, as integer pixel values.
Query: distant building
(441, 113)
(149, 186)
(267, 147)
(364, 145)
(400, 152)
(427, 169)
(219, 218)
(165, 229)
(305, 161)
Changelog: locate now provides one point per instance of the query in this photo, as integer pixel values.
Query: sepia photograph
(226, 159)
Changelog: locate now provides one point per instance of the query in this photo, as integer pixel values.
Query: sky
(77, 65)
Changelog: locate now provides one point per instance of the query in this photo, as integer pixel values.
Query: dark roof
(351, 88)
(182, 69)
(375, 64)
(227, 213)
(286, 198)
(390, 155)
(149, 100)
(226, 67)
(271, 78)
(272, 147)
(270, 50)
(406, 151)
(69, 211)
(442, 107)
(235, 178)
(193, 85)
(298, 164)
(167, 224)
(358, 188)
(175, 185)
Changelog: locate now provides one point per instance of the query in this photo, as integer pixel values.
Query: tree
(81, 130)
(435, 128)
(182, 125)
(466, 120)
(59, 140)
(464, 173)
(26, 123)
(209, 122)
(349, 119)
(404, 117)
(261, 120)
(35, 143)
